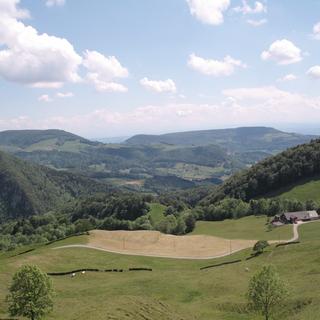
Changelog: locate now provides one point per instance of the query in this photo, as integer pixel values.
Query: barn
(294, 217)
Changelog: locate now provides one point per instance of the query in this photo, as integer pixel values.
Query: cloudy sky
(120, 67)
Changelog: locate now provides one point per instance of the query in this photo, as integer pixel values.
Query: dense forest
(28, 189)
(112, 211)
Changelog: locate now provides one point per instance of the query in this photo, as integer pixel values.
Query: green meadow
(175, 289)
(156, 212)
(308, 189)
(250, 228)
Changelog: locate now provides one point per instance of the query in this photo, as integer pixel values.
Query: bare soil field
(154, 243)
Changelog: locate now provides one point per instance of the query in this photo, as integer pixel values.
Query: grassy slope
(156, 212)
(309, 190)
(176, 289)
(246, 228)
(310, 231)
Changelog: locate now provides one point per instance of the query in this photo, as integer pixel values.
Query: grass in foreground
(249, 228)
(175, 289)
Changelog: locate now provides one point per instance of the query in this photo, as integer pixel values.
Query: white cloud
(314, 72)
(105, 86)
(44, 98)
(283, 51)
(107, 67)
(253, 94)
(216, 68)
(31, 58)
(257, 23)
(159, 85)
(65, 94)
(272, 105)
(316, 31)
(9, 9)
(51, 3)
(237, 107)
(209, 11)
(103, 70)
(47, 85)
(258, 7)
(288, 77)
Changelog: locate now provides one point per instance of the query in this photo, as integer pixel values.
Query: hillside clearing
(306, 190)
(156, 212)
(249, 228)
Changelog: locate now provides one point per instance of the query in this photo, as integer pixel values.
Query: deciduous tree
(266, 291)
(30, 293)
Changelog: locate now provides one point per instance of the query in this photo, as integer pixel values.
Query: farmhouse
(294, 217)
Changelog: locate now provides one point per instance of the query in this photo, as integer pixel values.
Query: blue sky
(110, 68)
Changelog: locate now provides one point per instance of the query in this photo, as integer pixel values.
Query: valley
(157, 164)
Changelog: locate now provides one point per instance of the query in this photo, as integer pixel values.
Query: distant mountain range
(152, 163)
(235, 140)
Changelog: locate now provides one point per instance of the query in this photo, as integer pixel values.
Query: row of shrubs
(95, 270)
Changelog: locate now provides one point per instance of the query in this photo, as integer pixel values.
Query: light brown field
(154, 243)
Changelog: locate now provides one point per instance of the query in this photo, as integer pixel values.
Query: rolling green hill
(253, 227)
(289, 173)
(38, 139)
(236, 140)
(142, 168)
(28, 189)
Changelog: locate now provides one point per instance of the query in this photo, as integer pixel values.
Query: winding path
(96, 247)
(149, 255)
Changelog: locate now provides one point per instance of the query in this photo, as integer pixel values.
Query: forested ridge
(28, 189)
(271, 174)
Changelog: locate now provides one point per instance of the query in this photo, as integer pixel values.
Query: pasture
(308, 189)
(250, 228)
(175, 289)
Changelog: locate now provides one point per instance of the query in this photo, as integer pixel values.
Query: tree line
(117, 211)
